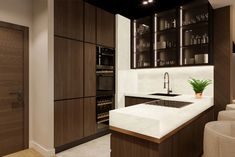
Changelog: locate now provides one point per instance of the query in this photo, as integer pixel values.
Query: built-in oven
(105, 63)
(105, 57)
(105, 81)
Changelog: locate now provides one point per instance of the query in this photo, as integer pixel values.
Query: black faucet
(167, 82)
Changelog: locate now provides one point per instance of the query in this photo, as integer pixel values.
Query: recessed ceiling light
(150, 1)
(145, 2)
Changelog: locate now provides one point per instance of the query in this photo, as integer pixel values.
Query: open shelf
(195, 46)
(196, 25)
(169, 30)
(167, 49)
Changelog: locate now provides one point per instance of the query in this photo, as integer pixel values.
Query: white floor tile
(97, 148)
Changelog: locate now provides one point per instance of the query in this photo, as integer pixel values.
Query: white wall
(42, 76)
(149, 81)
(126, 80)
(38, 16)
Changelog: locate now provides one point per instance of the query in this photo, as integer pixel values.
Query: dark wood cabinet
(105, 28)
(190, 138)
(69, 19)
(78, 29)
(89, 116)
(68, 60)
(68, 121)
(129, 101)
(90, 70)
(90, 23)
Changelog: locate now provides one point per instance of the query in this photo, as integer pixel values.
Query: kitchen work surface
(157, 121)
(97, 148)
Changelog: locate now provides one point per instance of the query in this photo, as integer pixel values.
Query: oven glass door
(105, 83)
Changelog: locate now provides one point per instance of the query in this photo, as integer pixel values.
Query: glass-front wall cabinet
(177, 37)
(167, 35)
(142, 42)
(196, 36)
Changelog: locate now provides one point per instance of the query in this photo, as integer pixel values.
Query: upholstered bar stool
(228, 115)
(230, 107)
(219, 139)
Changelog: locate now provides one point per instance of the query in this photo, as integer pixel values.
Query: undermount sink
(164, 94)
(169, 103)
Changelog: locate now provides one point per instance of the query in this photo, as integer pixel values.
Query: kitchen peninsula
(160, 128)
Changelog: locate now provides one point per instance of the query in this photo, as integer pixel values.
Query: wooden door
(90, 70)
(89, 116)
(69, 19)
(105, 28)
(13, 88)
(90, 23)
(68, 69)
(68, 121)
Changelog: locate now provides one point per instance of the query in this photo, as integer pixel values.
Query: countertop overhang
(156, 123)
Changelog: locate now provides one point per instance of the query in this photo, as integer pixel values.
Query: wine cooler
(104, 105)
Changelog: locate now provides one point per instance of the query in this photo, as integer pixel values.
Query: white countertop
(158, 121)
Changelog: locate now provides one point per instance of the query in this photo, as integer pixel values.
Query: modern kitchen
(99, 78)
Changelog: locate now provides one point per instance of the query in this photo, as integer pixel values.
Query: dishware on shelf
(191, 61)
(201, 58)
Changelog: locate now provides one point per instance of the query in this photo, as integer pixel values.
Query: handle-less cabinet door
(105, 28)
(89, 116)
(90, 23)
(68, 60)
(68, 121)
(69, 19)
(90, 70)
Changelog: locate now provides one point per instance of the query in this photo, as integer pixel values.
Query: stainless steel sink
(164, 94)
(169, 103)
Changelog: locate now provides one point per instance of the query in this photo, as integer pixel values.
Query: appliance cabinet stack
(84, 63)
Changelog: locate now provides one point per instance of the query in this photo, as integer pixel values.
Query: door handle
(15, 93)
(19, 95)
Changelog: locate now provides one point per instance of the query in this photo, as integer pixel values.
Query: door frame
(25, 31)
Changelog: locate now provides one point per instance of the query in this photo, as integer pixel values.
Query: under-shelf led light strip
(181, 35)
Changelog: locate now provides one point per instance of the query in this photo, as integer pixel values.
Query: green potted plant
(199, 86)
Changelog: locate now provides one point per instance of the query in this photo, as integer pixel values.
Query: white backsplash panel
(152, 80)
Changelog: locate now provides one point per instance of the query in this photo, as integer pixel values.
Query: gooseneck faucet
(166, 75)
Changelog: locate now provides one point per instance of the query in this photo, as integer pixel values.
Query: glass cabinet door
(167, 38)
(141, 43)
(195, 34)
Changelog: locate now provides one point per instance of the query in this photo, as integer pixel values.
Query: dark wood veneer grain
(89, 116)
(129, 101)
(68, 69)
(14, 88)
(105, 28)
(69, 19)
(68, 121)
(89, 70)
(90, 23)
(222, 59)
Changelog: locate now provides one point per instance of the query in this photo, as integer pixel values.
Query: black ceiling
(134, 9)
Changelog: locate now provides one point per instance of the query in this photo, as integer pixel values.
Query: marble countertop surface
(157, 121)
